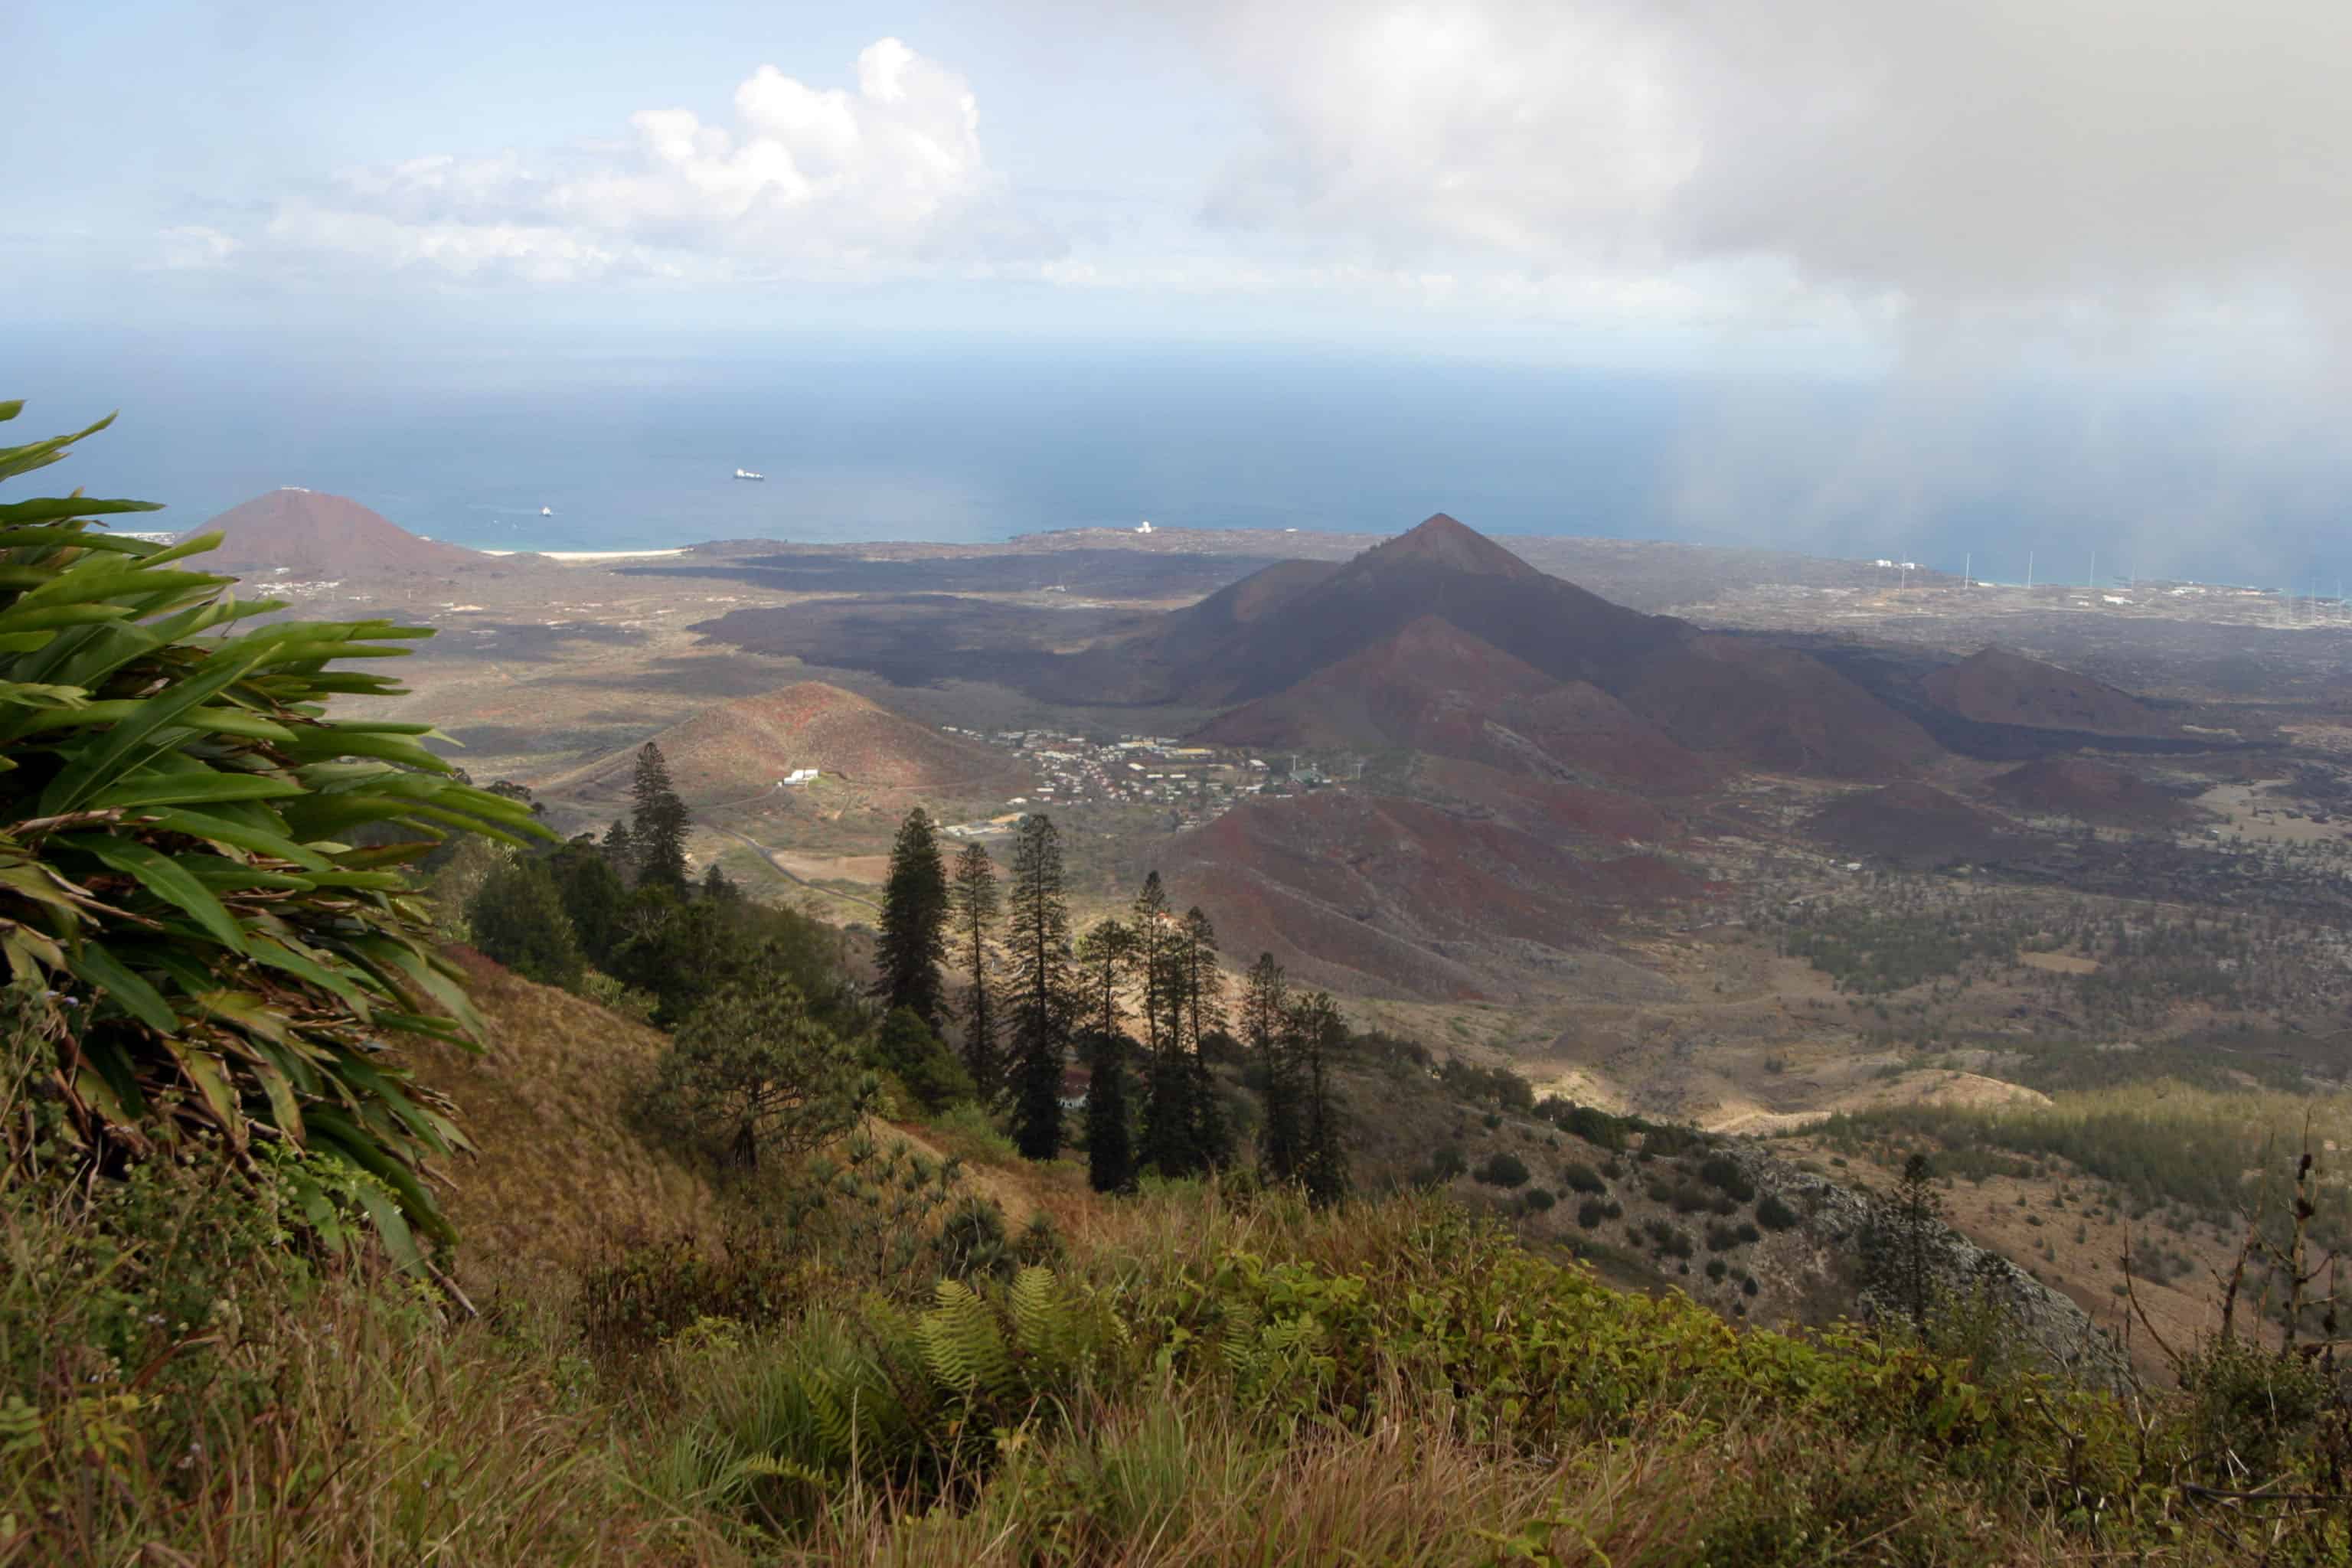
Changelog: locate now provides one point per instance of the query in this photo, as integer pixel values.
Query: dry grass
(563, 1169)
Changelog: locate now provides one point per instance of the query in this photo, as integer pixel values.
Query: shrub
(1536, 1200)
(1722, 1171)
(517, 918)
(1502, 1169)
(210, 865)
(1721, 1238)
(1717, 1269)
(1582, 1178)
(931, 1074)
(1773, 1213)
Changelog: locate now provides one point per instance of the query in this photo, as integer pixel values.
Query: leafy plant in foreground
(201, 868)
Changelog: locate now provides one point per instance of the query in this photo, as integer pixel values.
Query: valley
(1748, 865)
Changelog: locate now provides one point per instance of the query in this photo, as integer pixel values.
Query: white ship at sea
(747, 474)
(547, 512)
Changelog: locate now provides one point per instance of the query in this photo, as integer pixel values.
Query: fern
(963, 1348)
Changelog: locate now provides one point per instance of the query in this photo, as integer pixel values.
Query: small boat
(747, 474)
(547, 512)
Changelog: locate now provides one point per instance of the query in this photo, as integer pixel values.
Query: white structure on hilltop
(1143, 527)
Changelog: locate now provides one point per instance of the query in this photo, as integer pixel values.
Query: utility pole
(1967, 568)
(2029, 571)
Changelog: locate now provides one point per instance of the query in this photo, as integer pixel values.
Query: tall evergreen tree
(1266, 1031)
(1105, 954)
(973, 902)
(1110, 1152)
(657, 823)
(1316, 1030)
(620, 849)
(718, 885)
(1167, 1143)
(1039, 922)
(1203, 998)
(913, 940)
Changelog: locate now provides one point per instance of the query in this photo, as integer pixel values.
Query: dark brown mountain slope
(1435, 688)
(1920, 826)
(2095, 792)
(1998, 687)
(312, 536)
(1381, 897)
(1743, 703)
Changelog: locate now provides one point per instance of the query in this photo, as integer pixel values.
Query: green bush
(1773, 1213)
(1582, 1178)
(1502, 1169)
(203, 870)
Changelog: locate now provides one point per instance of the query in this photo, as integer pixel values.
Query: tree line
(1139, 1001)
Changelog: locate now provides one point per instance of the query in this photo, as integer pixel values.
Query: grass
(2210, 1150)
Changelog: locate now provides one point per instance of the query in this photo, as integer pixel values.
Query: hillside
(1996, 686)
(1355, 648)
(562, 1171)
(737, 751)
(309, 535)
(1920, 827)
(2095, 792)
(1382, 897)
(1436, 688)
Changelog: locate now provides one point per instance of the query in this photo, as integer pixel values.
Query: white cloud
(889, 176)
(1991, 151)
(193, 248)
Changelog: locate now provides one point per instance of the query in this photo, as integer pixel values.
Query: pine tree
(719, 886)
(657, 823)
(1167, 1096)
(1204, 1015)
(1105, 954)
(1040, 937)
(1316, 1030)
(972, 898)
(620, 852)
(1265, 1030)
(1110, 1154)
(913, 940)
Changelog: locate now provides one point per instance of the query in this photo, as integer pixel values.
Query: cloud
(193, 248)
(1973, 155)
(805, 180)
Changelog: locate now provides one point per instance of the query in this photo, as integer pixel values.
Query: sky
(2104, 239)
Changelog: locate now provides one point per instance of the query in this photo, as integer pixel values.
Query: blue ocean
(945, 442)
(632, 444)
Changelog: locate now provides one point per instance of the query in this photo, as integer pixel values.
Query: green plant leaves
(200, 866)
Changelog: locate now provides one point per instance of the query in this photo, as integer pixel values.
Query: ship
(547, 512)
(747, 474)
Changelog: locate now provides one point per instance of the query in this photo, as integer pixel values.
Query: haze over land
(1256, 781)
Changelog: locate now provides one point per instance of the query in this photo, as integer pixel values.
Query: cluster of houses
(1197, 782)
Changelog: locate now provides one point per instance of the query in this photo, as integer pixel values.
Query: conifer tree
(1039, 921)
(1110, 1154)
(1167, 1143)
(1316, 1030)
(657, 823)
(1266, 1031)
(1204, 1015)
(620, 852)
(913, 940)
(1105, 954)
(719, 886)
(973, 899)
